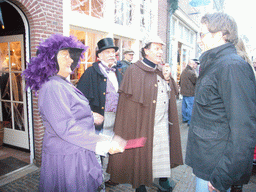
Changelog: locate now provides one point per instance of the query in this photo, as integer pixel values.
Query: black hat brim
(104, 48)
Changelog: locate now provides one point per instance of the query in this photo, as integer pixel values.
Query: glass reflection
(18, 116)
(4, 57)
(5, 86)
(15, 56)
(6, 114)
(17, 94)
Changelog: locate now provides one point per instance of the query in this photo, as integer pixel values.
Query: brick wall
(45, 17)
(38, 131)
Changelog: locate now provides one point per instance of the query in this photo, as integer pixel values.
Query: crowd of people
(88, 126)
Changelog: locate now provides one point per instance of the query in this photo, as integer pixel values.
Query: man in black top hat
(188, 79)
(100, 84)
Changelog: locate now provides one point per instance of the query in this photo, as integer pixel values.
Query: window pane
(15, 55)
(17, 88)
(89, 7)
(97, 8)
(129, 13)
(5, 86)
(81, 6)
(119, 12)
(6, 114)
(4, 57)
(18, 116)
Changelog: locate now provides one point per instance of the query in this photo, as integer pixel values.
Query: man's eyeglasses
(202, 35)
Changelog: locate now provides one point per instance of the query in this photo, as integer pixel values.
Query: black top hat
(105, 43)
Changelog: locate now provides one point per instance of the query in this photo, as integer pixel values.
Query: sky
(244, 12)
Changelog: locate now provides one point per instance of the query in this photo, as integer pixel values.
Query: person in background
(70, 143)
(254, 63)
(118, 65)
(147, 108)
(100, 84)
(241, 50)
(127, 59)
(188, 79)
(222, 132)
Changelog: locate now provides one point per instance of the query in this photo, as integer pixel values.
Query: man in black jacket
(188, 79)
(100, 84)
(222, 131)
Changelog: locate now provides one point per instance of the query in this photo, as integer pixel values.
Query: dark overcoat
(222, 132)
(135, 118)
(93, 85)
(188, 79)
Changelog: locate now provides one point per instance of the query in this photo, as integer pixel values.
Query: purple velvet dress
(68, 154)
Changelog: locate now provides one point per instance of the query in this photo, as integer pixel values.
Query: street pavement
(182, 178)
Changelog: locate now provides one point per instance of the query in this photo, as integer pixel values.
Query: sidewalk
(182, 176)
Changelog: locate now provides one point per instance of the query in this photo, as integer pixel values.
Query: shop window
(94, 8)
(89, 39)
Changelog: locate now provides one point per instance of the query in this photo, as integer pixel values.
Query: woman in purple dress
(70, 142)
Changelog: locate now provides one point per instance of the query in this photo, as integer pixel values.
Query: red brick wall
(38, 131)
(45, 17)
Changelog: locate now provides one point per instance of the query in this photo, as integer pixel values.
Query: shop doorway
(13, 111)
(14, 101)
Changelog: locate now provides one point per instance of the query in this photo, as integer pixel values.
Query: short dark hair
(223, 22)
(147, 46)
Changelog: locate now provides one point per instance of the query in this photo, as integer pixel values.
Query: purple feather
(44, 64)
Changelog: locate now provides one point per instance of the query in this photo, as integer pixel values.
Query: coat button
(154, 101)
(155, 85)
(102, 107)
(105, 79)
(104, 93)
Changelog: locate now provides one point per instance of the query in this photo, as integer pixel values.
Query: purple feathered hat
(45, 65)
